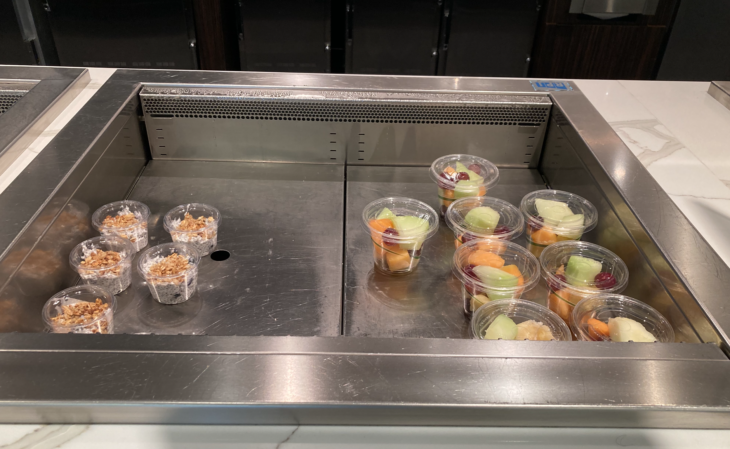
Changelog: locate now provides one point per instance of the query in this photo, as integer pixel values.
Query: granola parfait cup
(84, 309)
(483, 218)
(618, 318)
(126, 219)
(462, 175)
(554, 216)
(491, 270)
(171, 271)
(195, 224)
(525, 320)
(104, 261)
(575, 270)
(398, 228)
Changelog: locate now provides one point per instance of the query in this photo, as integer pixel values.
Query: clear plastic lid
(520, 311)
(104, 243)
(63, 301)
(469, 254)
(509, 227)
(577, 204)
(591, 317)
(401, 207)
(153, 255)
(614, 273)
(139, 210)
(176, 215)
(482, 167)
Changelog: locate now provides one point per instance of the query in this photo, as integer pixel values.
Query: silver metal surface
(276, 380)
(720, 91)
(11, 91)
(369, 127)
(683, 261)
(427, 303)
(338, 380)
(281, 224)
(52, 90)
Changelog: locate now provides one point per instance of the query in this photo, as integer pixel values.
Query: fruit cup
(575, 270)
(398, 228)
(104, 261)
(126, 219)
(483, 218)
(84, 309)
(493, 269)
(611, 317)
(461, 176)
(554, 216)
(517, 319)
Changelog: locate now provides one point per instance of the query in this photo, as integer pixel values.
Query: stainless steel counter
(231, 376)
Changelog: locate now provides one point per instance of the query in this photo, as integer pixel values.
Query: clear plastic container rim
(195, 256)
(529, 284)
(130, 253)
(488, 182)
(167, 220)
(67, 293)
(451, 215)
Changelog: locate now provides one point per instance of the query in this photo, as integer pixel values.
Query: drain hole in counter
(220, 255)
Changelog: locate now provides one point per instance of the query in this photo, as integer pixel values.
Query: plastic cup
(112, 278)
(563, 296)
(603, 307)
(205, 238)
(71, 300)
(541, 234)
(135, 233)
(475, 291)
(174, 288)
(519, 311)
(396, 254)
(451, 188)
(510, 226)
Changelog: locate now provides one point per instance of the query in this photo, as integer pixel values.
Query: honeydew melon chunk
(502, 327)
(581, 271)
(625, 329)
(498, 279)
(464, 189)
(412, 229)
(552, 212)
(385, 213)
(571, 226)
(482, 218)
(472, 175)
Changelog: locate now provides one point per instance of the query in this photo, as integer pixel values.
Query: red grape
(476, 169)
(389, 241)
(462, 176)
(536, 223)
(555, 286)
(605, 280)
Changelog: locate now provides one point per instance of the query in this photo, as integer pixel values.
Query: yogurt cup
(509, 227)
(104, 217)
(590, 317)
(68, 311)
(542, 232)
(204, 238)
(508, 258)
(174, 288)
(454, 184)
(113, 278)
(564, 295)
(395, 252)
(545, 323)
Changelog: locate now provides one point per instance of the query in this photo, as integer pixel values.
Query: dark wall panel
(13, 50)
(124, 33)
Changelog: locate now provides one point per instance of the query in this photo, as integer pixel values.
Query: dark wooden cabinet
(580, 46)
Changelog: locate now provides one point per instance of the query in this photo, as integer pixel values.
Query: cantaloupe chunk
(482, 191)
(449, 170)
(481, 257)
(398, 259)
(562, 307)
(598, 330)
(544, 236)
(381, 225)
(513, 270)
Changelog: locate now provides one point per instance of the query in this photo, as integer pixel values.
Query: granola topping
(120, 221)
(83, 313)
(97, 259)
(170, 265)
(193, 224)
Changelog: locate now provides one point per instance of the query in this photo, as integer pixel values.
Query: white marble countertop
(679, 132)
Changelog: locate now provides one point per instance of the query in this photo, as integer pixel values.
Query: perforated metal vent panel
(9, 97)
(463, 109)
